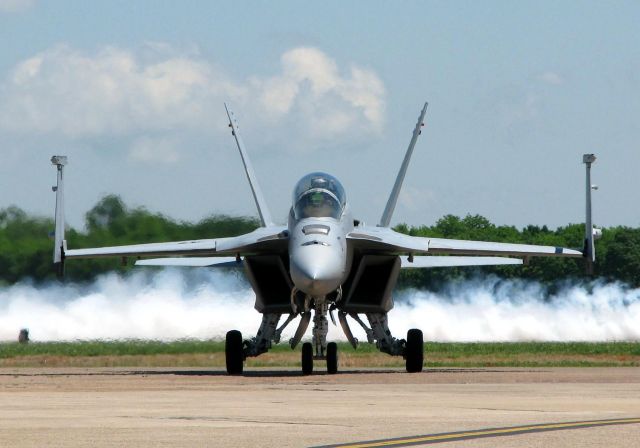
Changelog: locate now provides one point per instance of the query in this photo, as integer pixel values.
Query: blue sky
(133, 92)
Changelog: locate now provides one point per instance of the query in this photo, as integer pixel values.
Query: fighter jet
(323, 261)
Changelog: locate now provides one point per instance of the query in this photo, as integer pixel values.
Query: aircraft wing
(384, 240)
(264, 240)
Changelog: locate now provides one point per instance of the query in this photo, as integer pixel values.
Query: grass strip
(210, 353)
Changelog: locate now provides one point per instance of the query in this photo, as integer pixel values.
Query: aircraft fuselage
(319, 257)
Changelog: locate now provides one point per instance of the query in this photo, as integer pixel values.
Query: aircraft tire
(414, 351)
(233, 352)
(332, 358)
(307, 358)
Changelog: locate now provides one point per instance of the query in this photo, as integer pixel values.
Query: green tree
(26, 244)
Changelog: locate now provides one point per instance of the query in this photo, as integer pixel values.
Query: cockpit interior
(318, 195)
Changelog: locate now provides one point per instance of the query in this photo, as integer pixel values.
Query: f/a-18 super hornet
(323, 261)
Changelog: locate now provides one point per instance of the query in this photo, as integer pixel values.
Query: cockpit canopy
(318, 195)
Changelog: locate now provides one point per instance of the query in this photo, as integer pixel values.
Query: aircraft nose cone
(316, 270)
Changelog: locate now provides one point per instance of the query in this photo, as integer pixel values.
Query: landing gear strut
(236, 350)
(412, 349)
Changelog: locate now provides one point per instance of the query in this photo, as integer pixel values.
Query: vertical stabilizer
(263, 210)
(393, 198)
(590, 234)
(59, 241)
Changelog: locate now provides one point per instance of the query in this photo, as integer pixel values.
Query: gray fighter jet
(323, 261)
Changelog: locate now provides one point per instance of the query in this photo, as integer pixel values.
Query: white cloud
(551, 78)
(118, 92)
(311, 82)
(15, 5)
(65, 92)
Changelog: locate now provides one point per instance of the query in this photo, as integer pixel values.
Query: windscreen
(318, 195)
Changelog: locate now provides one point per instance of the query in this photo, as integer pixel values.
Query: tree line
(26, 244)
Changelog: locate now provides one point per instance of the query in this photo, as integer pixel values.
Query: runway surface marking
(476, 434)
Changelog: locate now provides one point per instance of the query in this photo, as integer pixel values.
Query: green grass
(110, 348)
(464, 349)
(437, 354)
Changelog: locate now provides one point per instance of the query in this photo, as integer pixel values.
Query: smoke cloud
(199, 303)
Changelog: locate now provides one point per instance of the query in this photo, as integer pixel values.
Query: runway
(186, 407)
(483, 433)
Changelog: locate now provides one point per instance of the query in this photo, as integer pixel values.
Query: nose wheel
(331, 357)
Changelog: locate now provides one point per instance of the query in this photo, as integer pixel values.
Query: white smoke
(199, 303)
(163, 305)
(515, 310)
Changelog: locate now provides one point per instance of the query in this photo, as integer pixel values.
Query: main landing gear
(237, 349)
(414, 351)
(233, 352)
(411, 349)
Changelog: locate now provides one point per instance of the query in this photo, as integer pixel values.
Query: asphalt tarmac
(559, 407)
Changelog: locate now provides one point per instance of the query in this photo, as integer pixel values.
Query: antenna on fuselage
(263, 210)
(393, 199)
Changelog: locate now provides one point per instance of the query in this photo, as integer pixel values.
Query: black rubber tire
(414, 351)
(233, 352)
(307, 358)
(332, 358)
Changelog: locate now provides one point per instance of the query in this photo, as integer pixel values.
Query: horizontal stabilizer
(464, 247)
(222, 262)
(443, 262)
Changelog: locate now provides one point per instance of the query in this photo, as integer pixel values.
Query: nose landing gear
(332, 358)
(323, 351)
(307, 358)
